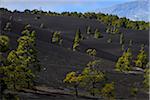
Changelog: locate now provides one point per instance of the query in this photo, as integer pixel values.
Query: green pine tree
(77, 40)
(97, 34)
(141, 59)
(124, 62)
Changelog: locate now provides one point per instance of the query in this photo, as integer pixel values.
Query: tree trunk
(93, 86)
(76, 90)
(14, 82)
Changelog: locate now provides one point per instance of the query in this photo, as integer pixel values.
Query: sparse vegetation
(112, 20)
(21, 51)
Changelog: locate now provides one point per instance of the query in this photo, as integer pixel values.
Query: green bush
(134, 91)
(56, 38)
(4, 43)
(97, 34)
(108, 91)
(109, 40)
(88, 30)
(8, 26)
(141, 59)
(77, 40)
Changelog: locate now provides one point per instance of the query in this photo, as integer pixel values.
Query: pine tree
(141, 59)
(56, 38)
(73, 79)
(18, 73)
(122, 39)
(124, 62)
(4, 43)
(130, 43)
(146, 78)
(88, 30)
(77, 40)
(108, 91)
(91, 52)
(97, 34)
(92, 76)
(109, 40)
(7, 27)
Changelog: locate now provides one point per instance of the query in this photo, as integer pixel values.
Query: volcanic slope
(58, 60)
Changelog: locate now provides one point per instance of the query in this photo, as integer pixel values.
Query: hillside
(57, 60)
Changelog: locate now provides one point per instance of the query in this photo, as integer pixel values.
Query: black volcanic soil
(59, 60)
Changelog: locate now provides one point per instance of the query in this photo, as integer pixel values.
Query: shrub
(27, 27)
(77, 40)
(42, 25)
(122, 39)
(141, 59)
(91, 52)
(7, 27)
(56, 38)
(88, 30)
(130, 42)
(109, 40)
(97, 34)
(4, 43)
(134, 91)
(146, 78)
(108, 91)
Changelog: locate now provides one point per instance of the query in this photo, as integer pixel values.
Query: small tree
(88, 30)
(42, 25)
(122, 47)
(56, 38)
(91, 52)
(109, 40)
(146, 78)
(92, 76)
(122, 40)
(130, 42)
(77, 40)
(108, 91)
(97, 34)
(134, 91)
(27, 27)
(141, 59)
(124, 62)
(4, 43)
(73, 79)
(108, 29)
(7, 27)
